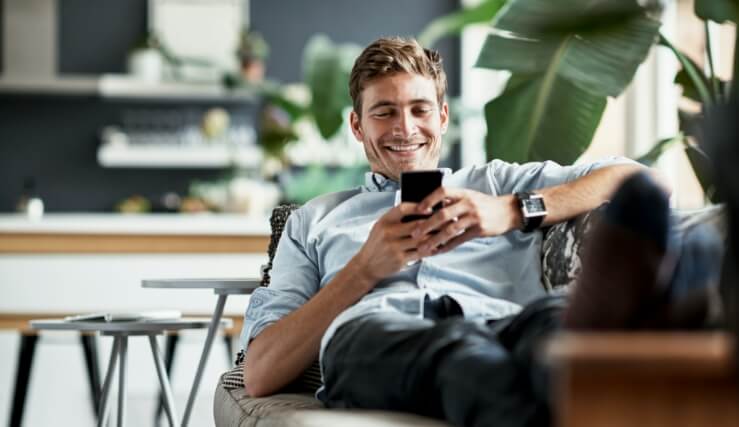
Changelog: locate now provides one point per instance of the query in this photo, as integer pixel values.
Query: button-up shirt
(490, 277)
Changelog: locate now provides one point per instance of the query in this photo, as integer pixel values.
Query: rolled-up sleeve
(294, 280)
(508, 178)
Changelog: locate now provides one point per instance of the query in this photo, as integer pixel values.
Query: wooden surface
(41, 243)
(641, 379)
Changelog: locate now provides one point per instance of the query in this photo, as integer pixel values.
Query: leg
(625, 260)
(171, 341)
(215, 322)
(104, 398)
(639, 273)
(90, 349)
(163, 382)
(449, 369)
(23, 373)
(123, 353)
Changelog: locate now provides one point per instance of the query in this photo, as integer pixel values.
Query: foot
(627, 265)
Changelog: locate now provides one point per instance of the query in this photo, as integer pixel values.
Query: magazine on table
(131, 316)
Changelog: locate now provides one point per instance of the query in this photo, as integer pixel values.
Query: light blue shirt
(489, 277)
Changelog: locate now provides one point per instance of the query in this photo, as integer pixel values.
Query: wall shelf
(166, 156)
(121, 86)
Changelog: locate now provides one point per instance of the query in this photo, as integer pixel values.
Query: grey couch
(297, 407)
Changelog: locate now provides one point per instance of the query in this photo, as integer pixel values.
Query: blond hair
(391, 55)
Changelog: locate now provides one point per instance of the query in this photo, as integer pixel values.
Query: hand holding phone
(416, 185)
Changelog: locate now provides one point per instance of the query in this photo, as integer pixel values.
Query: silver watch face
(534, 206)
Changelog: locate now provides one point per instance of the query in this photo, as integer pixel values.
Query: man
(443, 324)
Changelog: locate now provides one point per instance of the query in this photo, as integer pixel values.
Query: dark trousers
(443, 366)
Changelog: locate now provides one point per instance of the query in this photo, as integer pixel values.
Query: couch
(296, 405)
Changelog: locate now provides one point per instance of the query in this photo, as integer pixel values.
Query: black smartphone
(416, 185)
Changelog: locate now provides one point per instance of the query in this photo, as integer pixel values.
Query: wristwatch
(533, 210)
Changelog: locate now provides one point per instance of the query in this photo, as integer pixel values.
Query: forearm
(586, 193)
(285, 349)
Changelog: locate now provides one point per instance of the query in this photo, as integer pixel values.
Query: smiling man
(451, 335)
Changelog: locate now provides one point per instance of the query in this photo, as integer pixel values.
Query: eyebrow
(381, 104)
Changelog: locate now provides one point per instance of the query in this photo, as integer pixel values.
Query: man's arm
(468, 214)
(282, 351)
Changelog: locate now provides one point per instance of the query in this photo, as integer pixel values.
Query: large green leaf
(703, 170)
(326, 69)
(651, 157)
(717, 10)
(455, 22)
(541, 117)
(601, 59)
(698, 80)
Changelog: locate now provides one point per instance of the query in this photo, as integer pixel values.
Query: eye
(382, 114)
(422, 111)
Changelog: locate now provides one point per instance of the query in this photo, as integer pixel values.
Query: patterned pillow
(562, 249)
(277, 221)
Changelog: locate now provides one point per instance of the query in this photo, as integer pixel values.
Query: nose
(405, 126)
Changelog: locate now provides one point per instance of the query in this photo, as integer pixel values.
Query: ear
(444, 116)
(356, 126)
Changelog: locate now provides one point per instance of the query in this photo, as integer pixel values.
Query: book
(134, 316)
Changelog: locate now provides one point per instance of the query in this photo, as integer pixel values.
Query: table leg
(23, 374)
(104, 398)
(164, 382)
(214, 323)
(123, 352)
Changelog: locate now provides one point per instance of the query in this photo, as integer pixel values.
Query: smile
(404, 147)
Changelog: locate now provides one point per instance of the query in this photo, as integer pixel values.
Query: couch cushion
(234, 408)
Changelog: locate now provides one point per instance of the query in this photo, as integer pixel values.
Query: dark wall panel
(58, 149)
(287, 25)
(96, 36)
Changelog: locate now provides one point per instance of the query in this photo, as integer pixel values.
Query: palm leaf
(455, 22)
(528, 119)
(703, 170)
(599, 59)
(717, 10)
(651, 157)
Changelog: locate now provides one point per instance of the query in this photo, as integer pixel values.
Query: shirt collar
(374, 181)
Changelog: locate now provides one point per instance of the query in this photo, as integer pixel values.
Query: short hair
(390, 55)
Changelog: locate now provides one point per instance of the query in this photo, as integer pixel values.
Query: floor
(58, 392)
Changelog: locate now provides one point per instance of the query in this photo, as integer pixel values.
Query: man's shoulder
(319, 206)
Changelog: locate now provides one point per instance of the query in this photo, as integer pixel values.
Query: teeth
(404, 147)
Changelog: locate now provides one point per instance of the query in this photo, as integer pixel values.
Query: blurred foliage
(326, 70)
(303, 184)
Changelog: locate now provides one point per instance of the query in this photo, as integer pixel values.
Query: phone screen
(416, 185)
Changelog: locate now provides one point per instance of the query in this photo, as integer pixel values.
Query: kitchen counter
(133, 233)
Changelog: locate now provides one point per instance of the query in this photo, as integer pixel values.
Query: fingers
(437, 196)
(398, 212)
(452, 232)
(451, 213)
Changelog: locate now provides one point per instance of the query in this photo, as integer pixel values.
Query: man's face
(401, 124)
